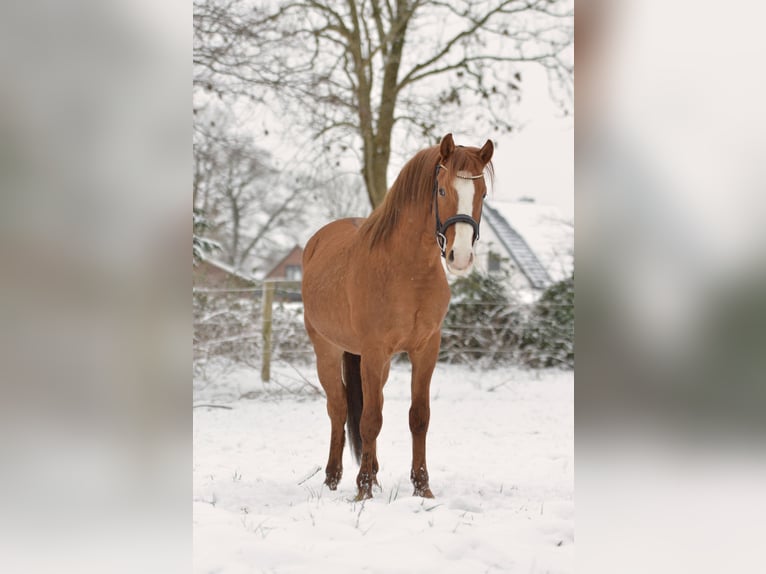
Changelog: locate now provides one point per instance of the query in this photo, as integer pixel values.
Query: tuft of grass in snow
(359, 517)
(358, 514)
(313, 493)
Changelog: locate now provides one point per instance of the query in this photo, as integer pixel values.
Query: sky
(538, 160)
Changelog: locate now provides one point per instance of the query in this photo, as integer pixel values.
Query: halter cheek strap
(441, 228)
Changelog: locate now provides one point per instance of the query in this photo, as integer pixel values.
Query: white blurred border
(671, 286)
(94, 216)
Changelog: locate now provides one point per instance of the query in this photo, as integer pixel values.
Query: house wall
(518, 285)
(293, 258)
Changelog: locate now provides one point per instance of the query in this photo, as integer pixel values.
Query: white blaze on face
(462, 248)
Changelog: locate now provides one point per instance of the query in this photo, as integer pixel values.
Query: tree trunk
(377, 158)
(235, 225)
(375, 177)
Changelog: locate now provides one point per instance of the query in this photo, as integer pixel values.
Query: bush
(548, 336)
(483, 325)
(290, 342)
(228, 331)
(226, 326)
(487, 327)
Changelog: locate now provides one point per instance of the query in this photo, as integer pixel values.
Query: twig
(497, 386)
(308, 383)
(213, 407)
(317, 469)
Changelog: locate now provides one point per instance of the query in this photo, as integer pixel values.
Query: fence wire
(228, 324)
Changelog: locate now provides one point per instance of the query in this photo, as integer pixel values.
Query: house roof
(536, 236)
(228, 268)
(517, 248)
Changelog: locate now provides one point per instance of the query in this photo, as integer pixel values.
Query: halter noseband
(441, 228)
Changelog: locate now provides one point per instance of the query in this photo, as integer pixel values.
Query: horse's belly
(330, 318)
(325, 300)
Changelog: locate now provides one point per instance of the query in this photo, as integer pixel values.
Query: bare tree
(231, 49)
(242, 197)
(340, 195)
(360, 70)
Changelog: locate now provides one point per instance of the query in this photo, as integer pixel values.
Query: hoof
(332, 481)
(364, 484)
(423, 492)
(363, 495)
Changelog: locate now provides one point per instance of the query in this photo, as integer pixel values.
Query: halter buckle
(441, 241)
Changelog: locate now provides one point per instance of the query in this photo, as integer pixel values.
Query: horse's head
(459, 192)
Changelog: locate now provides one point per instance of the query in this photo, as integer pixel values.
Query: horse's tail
(352, 377)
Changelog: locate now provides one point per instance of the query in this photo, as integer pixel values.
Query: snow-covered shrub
(548, 336)
(290, 342)
(487, 327)
(226, 327)
(228, 331)
(483, 325)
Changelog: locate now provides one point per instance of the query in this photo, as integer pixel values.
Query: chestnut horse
(375, 287)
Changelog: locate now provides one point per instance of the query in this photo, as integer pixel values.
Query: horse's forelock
(468, 159)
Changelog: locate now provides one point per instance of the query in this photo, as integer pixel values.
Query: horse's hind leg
(329, 370)
(423, 362)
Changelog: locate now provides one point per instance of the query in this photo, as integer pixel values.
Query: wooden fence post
(268, 303)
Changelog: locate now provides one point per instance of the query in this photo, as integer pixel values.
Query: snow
(500, 454)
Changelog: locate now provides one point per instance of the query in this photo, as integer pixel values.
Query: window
(293, 272)
(493, 262)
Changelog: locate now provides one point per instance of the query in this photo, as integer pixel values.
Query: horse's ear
(485, 153)
(447, 147)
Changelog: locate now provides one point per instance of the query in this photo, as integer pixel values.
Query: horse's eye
(442, 192)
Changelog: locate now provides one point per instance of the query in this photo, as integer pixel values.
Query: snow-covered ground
(500, 455)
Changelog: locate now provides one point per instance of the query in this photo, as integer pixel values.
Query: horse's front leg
(374, 373)
(423, 362)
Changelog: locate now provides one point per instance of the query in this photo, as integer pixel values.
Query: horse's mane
(414, 186)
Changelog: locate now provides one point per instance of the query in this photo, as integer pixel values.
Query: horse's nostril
(452, 255)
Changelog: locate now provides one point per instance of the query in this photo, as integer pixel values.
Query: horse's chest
(424, 325)
(423, 312)
(398, 306)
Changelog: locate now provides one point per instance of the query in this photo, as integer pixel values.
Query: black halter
(441, 228)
